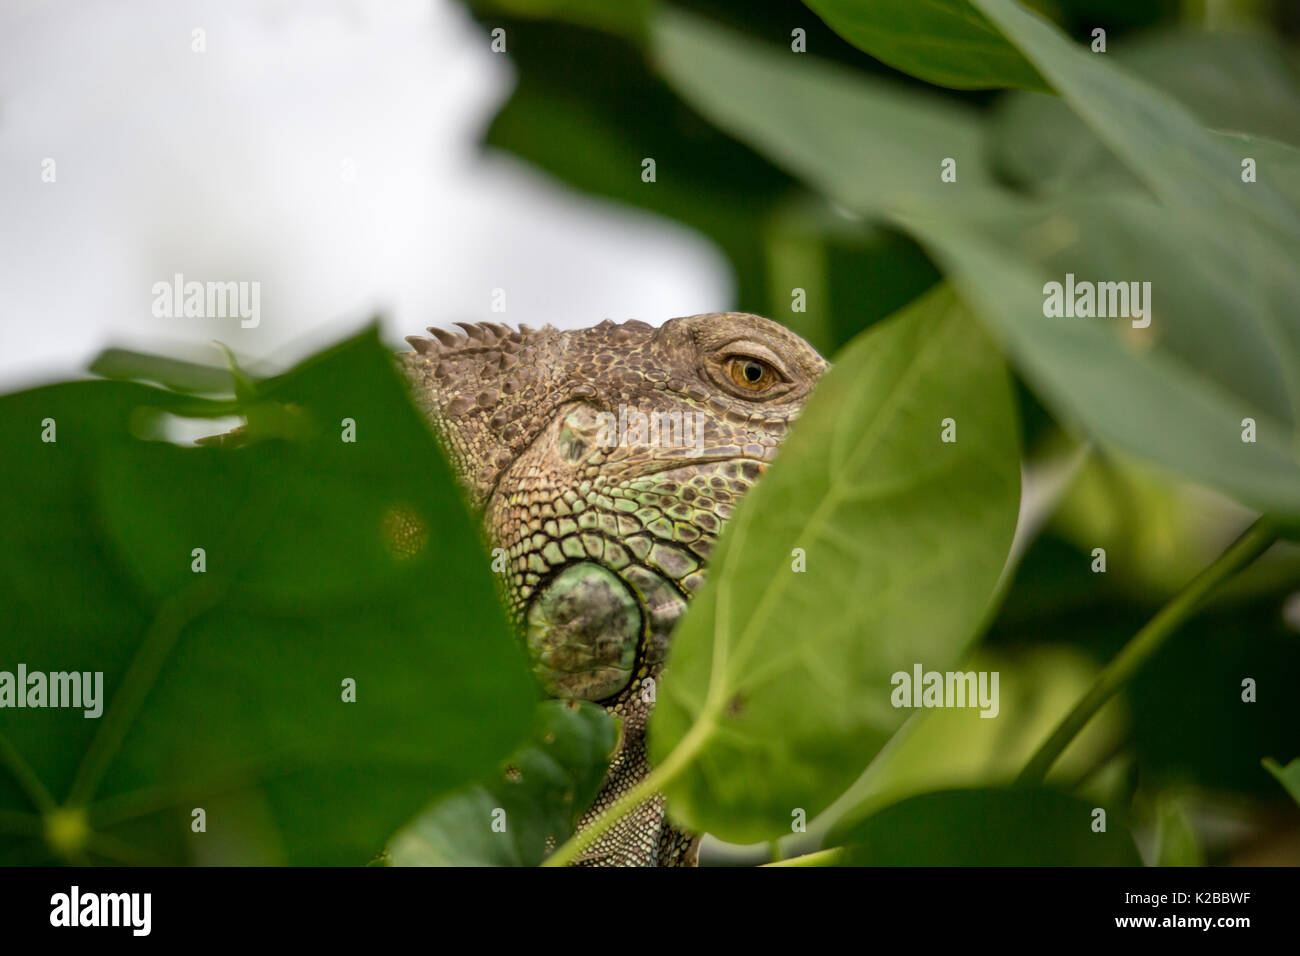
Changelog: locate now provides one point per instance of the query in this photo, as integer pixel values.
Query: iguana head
(605, 461)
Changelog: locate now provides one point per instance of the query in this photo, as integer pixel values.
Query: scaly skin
(606, 527)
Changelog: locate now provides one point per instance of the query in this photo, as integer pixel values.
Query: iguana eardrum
(605, 461)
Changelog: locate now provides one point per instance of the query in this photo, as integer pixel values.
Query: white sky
(229, 165)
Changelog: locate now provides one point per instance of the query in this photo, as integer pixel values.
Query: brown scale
(525, 418)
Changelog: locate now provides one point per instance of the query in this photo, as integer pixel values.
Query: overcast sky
(323, 148)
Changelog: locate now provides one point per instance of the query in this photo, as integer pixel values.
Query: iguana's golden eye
(751, 374)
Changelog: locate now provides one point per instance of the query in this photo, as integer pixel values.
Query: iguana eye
(751, 374)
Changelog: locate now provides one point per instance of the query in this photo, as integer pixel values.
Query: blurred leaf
(1230, 81)
(325, 561)
(245, 389)
(1157, 532)
(1178, 392)
(956, 747)
(594, 137)
(1278, 163)
(1288, 776)
(1175, 837)
(546, 788)
(1157, 138)
(947, 42)
(1175, 393)
(853, 274)
(986, 827)
(171, 373)
(867, 143)
(916, 529)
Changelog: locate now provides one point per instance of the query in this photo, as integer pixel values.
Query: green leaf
(868, 143)
(986, 827)
(172, 373)
(956, 747)
(1176, 393)
(1288, 776)
(778, 688)
(852, 274)
(1176, 840)
(1230, 81)
(1278, 164)
(1156, 137)
(324, 561)
(947, 42)
(507, 821)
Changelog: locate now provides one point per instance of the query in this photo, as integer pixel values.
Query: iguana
(604, 462)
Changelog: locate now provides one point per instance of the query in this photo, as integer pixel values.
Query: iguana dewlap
(605, 462)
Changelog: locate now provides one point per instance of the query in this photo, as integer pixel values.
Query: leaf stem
(172, 617)
(678, 760)
(1256, 539)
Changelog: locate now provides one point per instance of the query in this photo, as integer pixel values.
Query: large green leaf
(1230, 81)
(1277, 163)
(947, 42)
(224, 688)
(1175, 393)
(1158, 138)
(508, 820)
(868, 143)
(778, 686)
(987, 827)
(1178, 392)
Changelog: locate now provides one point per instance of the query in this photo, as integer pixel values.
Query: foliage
(537, 798)
(822, 171)
(779, 686)
(225, 687)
